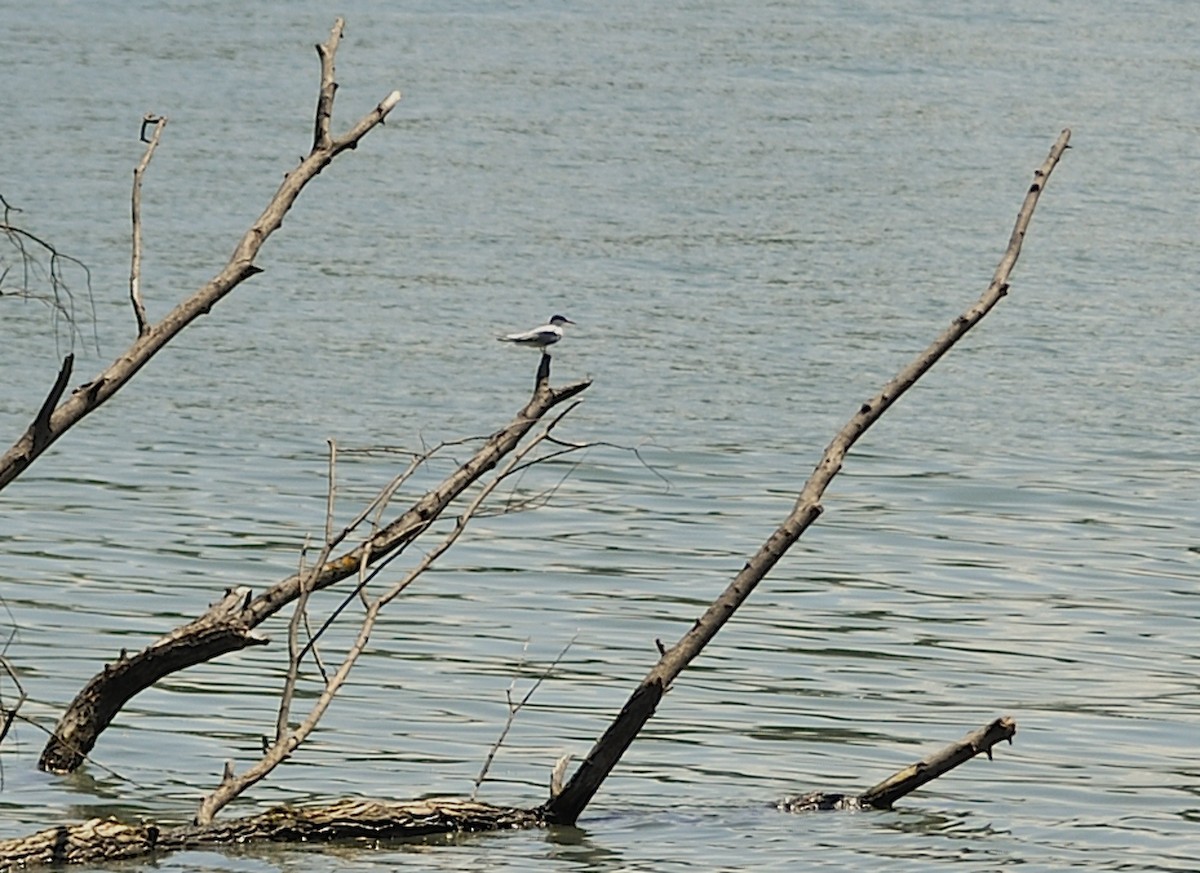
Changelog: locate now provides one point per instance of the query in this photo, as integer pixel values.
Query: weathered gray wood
(100, 840)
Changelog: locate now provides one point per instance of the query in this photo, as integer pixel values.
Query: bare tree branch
(229, 625)
(89, 397)
(567, 806)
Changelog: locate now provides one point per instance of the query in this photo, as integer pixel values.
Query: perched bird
(540, 338)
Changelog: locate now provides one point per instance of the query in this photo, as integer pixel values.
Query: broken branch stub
(912, 777)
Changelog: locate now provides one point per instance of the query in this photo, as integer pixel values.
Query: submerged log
(101, 840)
(912, 777)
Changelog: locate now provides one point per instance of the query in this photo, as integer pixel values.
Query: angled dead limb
(566, 807)
(89, 397)
(229, 625)
(912, 777)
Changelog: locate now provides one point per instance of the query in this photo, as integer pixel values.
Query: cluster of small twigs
(31, 268)
(289, 732)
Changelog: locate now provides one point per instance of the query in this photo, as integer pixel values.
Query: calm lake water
(757, 213)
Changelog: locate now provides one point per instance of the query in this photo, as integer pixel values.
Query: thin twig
(300, 611)
(135, 267)
(60, 299)
(512, 714)
(10, 712)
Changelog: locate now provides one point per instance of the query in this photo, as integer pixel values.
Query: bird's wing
(542, 336)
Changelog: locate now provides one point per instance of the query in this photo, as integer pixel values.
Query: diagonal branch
(229, 627)
(884, 794)
(89, 397)
(566, 807)
(60, 299)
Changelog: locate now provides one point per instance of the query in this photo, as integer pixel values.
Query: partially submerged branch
(102, 840)
(912, 777)
(108, 840)
(567, 806)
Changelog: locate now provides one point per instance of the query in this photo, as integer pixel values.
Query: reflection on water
(756, 214)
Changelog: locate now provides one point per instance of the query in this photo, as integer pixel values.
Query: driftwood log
(109, 840)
